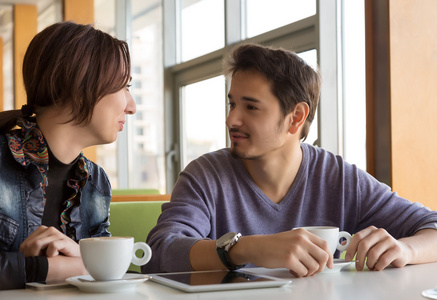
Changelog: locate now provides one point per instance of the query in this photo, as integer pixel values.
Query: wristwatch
(224, 244)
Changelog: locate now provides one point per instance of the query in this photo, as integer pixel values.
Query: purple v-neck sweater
(215, 194)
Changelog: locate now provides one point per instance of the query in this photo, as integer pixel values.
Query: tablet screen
(216, 280)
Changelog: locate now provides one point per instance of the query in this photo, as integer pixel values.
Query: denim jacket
(22, 205)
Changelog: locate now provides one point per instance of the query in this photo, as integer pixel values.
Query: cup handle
(345, 235)
(147, 254)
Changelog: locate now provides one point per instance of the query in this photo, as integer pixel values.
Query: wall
(413, 60)
(401, 59)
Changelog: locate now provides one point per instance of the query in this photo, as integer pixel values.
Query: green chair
(134, 219)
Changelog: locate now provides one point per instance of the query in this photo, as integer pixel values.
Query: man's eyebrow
(250, 99)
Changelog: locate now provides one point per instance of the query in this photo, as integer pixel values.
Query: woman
(51, 196)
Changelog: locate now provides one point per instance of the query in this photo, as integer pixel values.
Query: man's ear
(298, 117)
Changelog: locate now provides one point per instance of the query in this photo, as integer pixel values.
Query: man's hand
(50, 242)
(380, 249)
(300, 251)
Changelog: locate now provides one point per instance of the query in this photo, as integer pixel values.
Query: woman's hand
(62, 267)
(50, 242)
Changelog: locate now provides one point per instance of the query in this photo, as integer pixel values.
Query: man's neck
(274, 174)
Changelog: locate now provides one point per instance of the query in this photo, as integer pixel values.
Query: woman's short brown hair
(291, 79)
(74, 66)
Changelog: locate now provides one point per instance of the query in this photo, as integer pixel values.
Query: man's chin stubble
(236, 154)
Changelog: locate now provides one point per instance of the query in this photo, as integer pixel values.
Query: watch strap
(224, 257)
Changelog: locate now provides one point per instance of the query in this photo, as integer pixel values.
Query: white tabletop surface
(392, 283)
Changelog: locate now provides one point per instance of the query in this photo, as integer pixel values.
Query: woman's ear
(298, 117)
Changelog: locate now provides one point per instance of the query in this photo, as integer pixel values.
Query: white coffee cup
(108, 258)
(332, 235)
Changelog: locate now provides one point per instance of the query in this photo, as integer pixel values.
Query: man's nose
(234, 118)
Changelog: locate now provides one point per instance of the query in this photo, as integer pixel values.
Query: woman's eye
(128, 86)
(250, 107)
(231, 105)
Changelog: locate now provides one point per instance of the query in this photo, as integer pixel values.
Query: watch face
(226, 239)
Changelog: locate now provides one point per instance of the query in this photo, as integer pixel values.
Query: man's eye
(250, 107)
(231, 105)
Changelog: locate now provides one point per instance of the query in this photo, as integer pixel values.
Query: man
(269, 182)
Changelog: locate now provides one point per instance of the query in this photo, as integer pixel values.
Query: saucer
(431, 294)
(125, 284)
(338, 265)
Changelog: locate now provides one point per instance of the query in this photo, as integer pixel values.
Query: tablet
(47, 286)
(205, 281)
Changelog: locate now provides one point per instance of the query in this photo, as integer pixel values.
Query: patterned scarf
(28, 146)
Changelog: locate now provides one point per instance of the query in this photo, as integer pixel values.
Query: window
(188, 74)
(138, 153)
(49, 12)
(6, 30)
(310, 57)
(180, 90)
(202, 27)
(147, 161)
(262, 16)
(177, 48)
(354, 89)
(203, 118)
(104, 17)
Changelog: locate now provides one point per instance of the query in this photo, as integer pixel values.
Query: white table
(405, 283)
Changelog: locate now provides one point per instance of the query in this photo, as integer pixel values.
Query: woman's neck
(63, 138)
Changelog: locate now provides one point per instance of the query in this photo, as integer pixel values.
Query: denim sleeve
(12, 271)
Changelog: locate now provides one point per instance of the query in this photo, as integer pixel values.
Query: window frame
(321, 32)
(314, 32)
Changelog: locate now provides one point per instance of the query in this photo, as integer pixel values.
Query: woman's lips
(121, 125)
